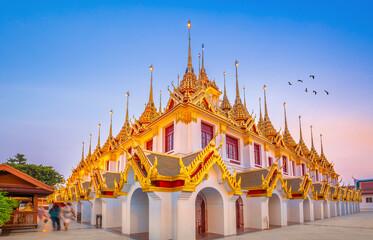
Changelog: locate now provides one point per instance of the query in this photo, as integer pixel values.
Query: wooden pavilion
(20, 185)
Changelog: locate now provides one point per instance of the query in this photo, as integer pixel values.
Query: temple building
(203, 166)
(365, 186)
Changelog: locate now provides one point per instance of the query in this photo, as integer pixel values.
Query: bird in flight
(290, 83)
(300, 80)
(314, 92)
(327, 93)
(306, 90)
(312, 76)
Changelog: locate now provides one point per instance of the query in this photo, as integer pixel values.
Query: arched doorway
(139, 221)
(201, 214)
(274, 211)
(97, 221)
(209, 213)
(239, 213)
(307, 210)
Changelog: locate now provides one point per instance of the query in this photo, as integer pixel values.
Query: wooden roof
(16, 182)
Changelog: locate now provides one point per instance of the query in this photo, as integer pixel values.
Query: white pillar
(326, 209)
(230, 213)
(256, 212)
(125, 215)
(184, 223)
(295, 211)
(333, 208)
(160, 215)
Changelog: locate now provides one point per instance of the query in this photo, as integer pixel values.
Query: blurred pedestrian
(55, 216)
(68, 214)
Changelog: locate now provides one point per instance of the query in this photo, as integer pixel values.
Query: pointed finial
(286, 121)
(265, 104)
(160, 102)
(178, 84)
(82, 151)
(225, 89)
(111, 124)
(127, 120)
(260, 110)
(98, 141)
(150, 103)
(199, 64)
(244, 96)
(312, 145)
(238, 100)
(190, 67)
(203, 57)
(300, 128)
(90, 141)
(322, 148)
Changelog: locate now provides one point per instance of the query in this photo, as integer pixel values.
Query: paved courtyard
(355, 226)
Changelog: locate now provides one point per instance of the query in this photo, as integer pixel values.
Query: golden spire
(160, 102)
(178, 83)
(322, 148)
(225, 105)
(90, 140)
(312, 145)
(111, 124)
(238, 99)
(265, 104)
(244, 96)
(199, 64)
(126, 123)
(300, 129)
(190, 67)
(260, 110)
(203, 57)
(288, 139)
(151, 103)
(98, 141)
(286, 121)
(82, 151)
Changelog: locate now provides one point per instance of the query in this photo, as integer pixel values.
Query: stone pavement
(355, 226)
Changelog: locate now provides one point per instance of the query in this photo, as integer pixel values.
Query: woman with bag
(68, 214)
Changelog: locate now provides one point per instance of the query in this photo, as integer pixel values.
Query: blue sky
(65, 64)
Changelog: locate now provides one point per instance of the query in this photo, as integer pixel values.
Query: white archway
(274, 210)
(97, 217)
(139, 213)
(209, 212)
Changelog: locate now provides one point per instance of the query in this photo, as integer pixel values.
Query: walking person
(54, 213)
(68, 214)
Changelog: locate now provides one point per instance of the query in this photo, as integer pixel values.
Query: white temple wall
(295, 211)
(85, 210)
(111, 213)
(277, 208)
(318, 207)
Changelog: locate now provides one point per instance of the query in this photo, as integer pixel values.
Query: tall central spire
(322, 148)
(151, 103)
(190, 67)
(238, 99)
(126, 123)
(266, 117)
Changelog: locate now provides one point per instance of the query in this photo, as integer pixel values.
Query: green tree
(18, 159)
(6, 208)
(45, 174)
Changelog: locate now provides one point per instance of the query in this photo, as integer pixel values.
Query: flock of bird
(306, 90)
